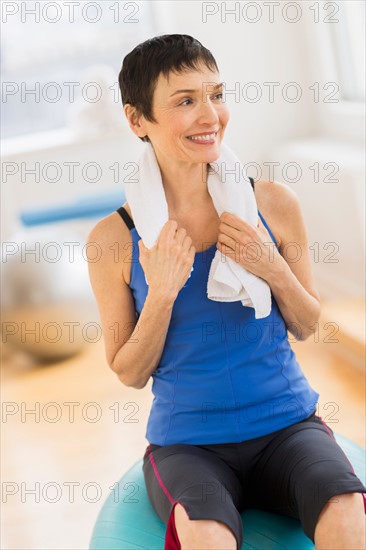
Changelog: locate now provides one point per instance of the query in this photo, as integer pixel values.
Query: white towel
(232, 192)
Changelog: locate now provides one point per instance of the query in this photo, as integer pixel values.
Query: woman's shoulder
(109, 236)
(268, 192)
(279, 205)
(111, 227)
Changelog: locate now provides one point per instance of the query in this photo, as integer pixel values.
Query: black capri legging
(293, 471)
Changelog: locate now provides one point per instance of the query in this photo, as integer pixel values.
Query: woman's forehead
(188, 79)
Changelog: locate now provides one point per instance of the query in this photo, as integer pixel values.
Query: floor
(71, 429)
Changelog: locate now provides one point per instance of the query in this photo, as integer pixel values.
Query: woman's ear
(135, 120)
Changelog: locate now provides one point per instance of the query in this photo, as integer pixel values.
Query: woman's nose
(208, 112)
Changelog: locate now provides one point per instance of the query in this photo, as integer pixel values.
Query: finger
(180, 235)
(187, 242)
(226, 250)
(224, 238)
(233, 223)
(232, 220)
(229, 231)
(168, 232)
(227, 244)
(262, 228)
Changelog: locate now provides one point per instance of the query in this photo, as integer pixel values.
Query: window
(46, 47)
(348, 36)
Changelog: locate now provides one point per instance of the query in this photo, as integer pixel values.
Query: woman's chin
(210, 154)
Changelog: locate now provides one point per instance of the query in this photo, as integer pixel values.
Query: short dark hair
(161, 54)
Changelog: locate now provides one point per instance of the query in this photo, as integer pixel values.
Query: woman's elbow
(131, 382)
(305, 335)
(125, 376)
(302, 333)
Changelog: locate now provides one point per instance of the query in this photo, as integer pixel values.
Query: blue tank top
(224, 376)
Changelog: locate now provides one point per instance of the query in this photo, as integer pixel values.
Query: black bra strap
(126, 217)
(251, 181)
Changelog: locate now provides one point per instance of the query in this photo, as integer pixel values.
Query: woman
(233, 421)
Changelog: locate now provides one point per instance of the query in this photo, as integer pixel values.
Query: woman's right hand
(168, 263)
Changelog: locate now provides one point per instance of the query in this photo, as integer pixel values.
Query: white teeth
(202, 138)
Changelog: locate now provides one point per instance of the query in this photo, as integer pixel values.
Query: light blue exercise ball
(127, 520)
(47, 305)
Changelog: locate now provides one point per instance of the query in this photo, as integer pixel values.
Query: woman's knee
(344, 505)
(202, 534)
(341, 523)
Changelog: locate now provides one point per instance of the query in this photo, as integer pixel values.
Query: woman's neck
(185, 185)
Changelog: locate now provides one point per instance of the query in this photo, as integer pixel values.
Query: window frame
(345, 118)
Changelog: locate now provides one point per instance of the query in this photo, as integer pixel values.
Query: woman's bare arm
(293, 285)
(133, 347)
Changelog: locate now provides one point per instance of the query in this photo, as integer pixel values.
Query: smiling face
(191, 117)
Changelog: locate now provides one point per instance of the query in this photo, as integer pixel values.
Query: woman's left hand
(249, 246)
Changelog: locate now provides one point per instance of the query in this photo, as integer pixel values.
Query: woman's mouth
(203, 138)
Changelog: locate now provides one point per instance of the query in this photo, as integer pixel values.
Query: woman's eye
(189, 101)
(185, 101)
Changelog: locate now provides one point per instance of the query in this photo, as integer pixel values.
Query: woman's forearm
(299, 309)
(140, 354)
